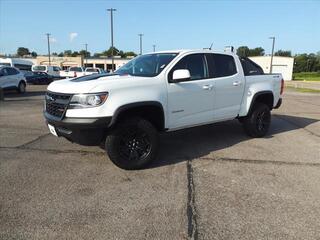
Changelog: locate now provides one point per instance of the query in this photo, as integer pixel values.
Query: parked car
(160, 92)
(21, 64)
(38, 77)
(12, 78)
(91, 70)
(73, 72)
(53, 71)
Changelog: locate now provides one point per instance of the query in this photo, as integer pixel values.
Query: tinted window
(92, 70)
(149, 65)
(4, 72)
(39, 68)
(56, 69)
(250, 67)
(195, 63)
(76, 69)
(221, 65)
(12, 71)
(23, 66)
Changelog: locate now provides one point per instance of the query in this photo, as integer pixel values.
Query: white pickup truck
(73, 72)
(157, 92)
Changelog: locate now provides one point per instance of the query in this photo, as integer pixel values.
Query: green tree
(67, 53)
(75, 54)
(34, 54)
(21, 51)
(258, 51)
(85, 53)
(283, 53)
(243, 51)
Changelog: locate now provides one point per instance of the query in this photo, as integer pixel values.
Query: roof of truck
(192, 50)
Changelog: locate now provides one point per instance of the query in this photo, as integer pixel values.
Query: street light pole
(48, 39)
(140, 35)
(111, 10)
(273, 40)
(154, 47)
(85, 54)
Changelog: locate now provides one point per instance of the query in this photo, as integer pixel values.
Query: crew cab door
(190, 102)
(228, 85)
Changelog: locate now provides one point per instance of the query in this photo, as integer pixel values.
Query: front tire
(21, 87)
(132, 144)
(257, 123)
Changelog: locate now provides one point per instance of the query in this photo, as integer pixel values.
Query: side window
(196, 65)
(250, 67)
(4, 72)
(221, 65)
(12, 71)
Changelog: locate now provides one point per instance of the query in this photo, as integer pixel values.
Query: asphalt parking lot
(210, 182)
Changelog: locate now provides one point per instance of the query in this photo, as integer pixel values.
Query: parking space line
(257, 161)
(191, 208)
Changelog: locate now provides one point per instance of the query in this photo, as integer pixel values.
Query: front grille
(57, 103)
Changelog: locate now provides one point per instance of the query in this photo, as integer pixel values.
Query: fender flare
(128, 106)
(257, 94)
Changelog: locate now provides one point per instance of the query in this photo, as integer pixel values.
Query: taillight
(282, 86)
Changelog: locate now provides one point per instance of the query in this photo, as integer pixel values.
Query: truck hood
(91, 83)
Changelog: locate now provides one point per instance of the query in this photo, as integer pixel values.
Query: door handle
(236, 83)
(207, 87)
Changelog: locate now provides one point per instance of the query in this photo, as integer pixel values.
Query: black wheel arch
(265, 97)
(150, 110)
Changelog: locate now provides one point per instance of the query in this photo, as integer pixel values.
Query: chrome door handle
(207, 87)
(236, 83)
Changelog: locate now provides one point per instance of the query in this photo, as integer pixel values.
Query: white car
(12, 78)
(91, 70)
(53, 71)
(159, 92)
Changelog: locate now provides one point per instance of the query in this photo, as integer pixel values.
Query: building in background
(283, 65)
(66, 62)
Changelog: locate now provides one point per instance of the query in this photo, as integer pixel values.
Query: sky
(175, 24)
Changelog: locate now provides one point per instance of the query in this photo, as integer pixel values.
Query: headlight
(87, 100)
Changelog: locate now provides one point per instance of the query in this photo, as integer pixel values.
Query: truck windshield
(149, 65)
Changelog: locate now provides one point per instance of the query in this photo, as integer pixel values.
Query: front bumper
(84, 131)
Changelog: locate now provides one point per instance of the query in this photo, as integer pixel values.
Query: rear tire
(21, 87)
(132, 144)
(257, 123)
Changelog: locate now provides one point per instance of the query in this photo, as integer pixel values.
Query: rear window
(250, 67)
(56, 69)
(5, 64)
(92, 70)
(221, 65)
(75, 69)
(39, 68)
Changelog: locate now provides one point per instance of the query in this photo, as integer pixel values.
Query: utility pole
(48, 38)
(154, 47)
(140, 35)
(111, 10)
(273, 40)
(85, 55)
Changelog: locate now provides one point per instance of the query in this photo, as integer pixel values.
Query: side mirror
(181, 75)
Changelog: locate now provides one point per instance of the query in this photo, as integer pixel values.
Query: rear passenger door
(228, 86)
